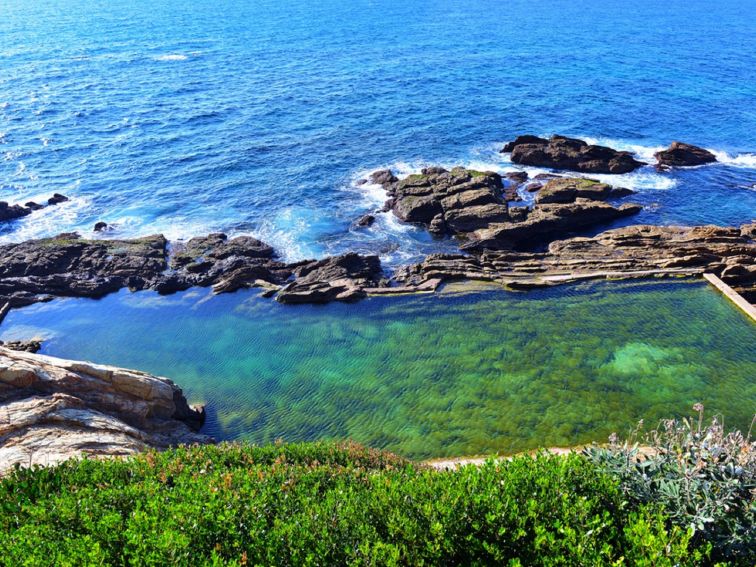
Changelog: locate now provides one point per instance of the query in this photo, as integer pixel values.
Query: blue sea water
(258, 116)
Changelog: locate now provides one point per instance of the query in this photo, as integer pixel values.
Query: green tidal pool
(456, 373)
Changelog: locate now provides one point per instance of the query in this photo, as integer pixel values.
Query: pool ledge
(732, 295)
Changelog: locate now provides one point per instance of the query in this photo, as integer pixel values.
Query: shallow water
(257, 117)
(426, 376)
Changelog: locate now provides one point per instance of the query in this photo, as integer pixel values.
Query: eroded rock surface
(560, 152)
(53, 409)
(680, 154)
(471, 205)
(639, 250)
(339, 278)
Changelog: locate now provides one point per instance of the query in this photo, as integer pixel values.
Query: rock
(100, 226)
(31, 205)
(31, 345)
(680, 154)
(57, 409)
(560, 152)
(456, 201)
(360, 182)
(547, 222)
(382, 177)
(437, 226)
(520, 140)
(567, 190)
(339, 278)
(56, 199)
(12, 212)
(517, 177)
(365, 221)
(632, 251)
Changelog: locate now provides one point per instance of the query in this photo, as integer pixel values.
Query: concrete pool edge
(732, 295)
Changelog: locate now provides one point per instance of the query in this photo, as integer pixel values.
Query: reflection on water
(435, 375)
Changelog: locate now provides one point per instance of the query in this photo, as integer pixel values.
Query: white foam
(642, 152)
(51, 220)
(172, 57)
(746, 161)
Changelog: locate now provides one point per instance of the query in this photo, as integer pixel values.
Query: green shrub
(327, 504)
(704, 479)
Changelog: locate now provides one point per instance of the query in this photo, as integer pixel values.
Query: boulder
(56, 199)
(382, 177)
(560, 152)
(365, 221)
(58, 409)
(100, 226)
(680, 154)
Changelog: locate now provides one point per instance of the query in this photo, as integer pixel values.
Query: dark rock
(32, 345)
(382, 177)
(681, 155)
(437, 226)
(365, 221)
(360, 182)
(12, 212)
(56, 199)
(517, 177)
(100, 226)
(560, 152)
(547, 222)
(519, 140)
(31, 205)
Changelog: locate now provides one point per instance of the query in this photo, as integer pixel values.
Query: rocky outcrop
(633, 251)
(680, 154)
(339, 278)
(30, 345)
(546, 222)
(471, 205)
(560, 152)
(53, 409)
(68, 265)
(448, 202)
(12, 212)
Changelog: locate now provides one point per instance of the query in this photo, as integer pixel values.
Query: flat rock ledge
(53, 409)
(628, 252)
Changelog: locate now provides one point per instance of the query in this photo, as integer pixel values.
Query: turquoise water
(258, 116)
(426, 376)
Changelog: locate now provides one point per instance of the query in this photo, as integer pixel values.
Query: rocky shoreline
(55, 409)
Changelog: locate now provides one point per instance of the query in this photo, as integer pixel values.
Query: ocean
(259, 117)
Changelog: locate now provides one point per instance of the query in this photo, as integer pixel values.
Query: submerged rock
(680, 154)
(560, 152)
(56, 409)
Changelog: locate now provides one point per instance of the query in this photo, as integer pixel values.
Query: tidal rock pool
(457, 373)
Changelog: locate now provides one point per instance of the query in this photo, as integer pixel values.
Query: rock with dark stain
(560, 152)
(680, 154)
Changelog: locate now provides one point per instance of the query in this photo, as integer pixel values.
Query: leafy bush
(326, 504)
(704, 478)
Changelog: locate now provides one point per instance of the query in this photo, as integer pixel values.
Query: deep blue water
(257, 117)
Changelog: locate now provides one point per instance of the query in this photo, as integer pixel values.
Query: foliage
(703, 477)
(327, 504)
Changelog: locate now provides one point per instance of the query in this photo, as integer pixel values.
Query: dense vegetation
(326, 504)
